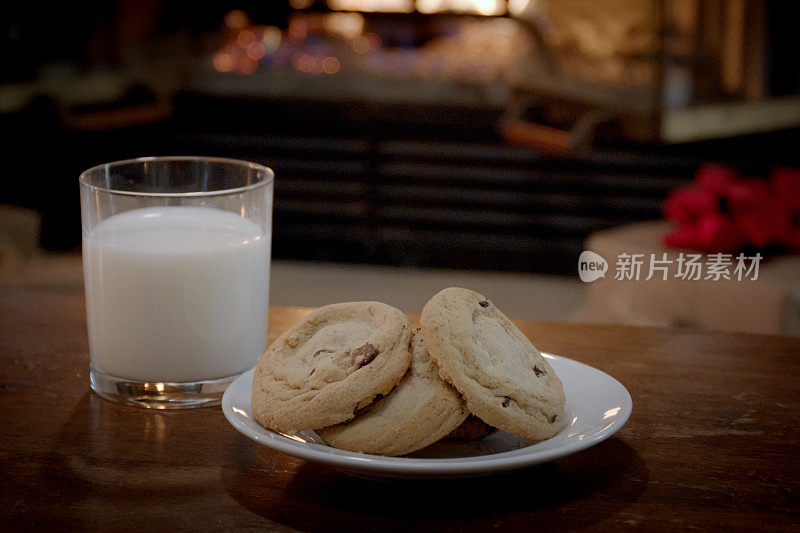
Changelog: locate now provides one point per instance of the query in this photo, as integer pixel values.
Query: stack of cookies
(357, 375)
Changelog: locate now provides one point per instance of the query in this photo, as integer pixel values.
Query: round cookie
(503, 378)
(419, 411)
(329, 365)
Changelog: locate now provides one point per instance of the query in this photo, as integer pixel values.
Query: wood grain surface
(712, 444)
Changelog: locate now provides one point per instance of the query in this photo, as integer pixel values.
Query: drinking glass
(176, 259)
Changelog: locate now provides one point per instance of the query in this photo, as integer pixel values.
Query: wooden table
(713, 443)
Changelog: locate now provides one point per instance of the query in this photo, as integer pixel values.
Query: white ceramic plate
(597, 407)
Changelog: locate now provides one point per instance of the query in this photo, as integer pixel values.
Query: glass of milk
(176, 255)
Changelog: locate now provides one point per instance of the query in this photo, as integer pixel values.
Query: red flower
(715, 178)
(786, 183)
(749, 195)
(686, 205)
(718, 233)
(725, 212)
(788, 203)
(786, 180)
(758, 229)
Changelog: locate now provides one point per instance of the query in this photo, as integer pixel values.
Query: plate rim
(425, 466)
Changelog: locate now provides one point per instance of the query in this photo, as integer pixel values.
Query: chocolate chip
(366, 349)
(538, 371)
(324, 350)
(363, 355)
(553, 420)
(358, 410)
(312, 372)
(484, 303)
(506, 401)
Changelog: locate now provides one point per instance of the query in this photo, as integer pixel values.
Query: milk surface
(176, 294)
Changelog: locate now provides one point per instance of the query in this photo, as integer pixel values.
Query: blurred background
(417, 143)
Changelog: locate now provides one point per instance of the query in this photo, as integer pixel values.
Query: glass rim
(268, 179)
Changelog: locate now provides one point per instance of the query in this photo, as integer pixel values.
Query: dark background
(430, 184)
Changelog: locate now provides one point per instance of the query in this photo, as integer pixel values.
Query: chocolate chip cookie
(331, 364)
(419, 411)
(503, 378)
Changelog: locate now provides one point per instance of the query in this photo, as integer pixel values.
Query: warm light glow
(383, 6)
(330, 65)
(160, 387)
(236, 19)
(305, 63)
(256, 51)
(247, 65)
(361, 45)
(474, 48)
(518, 7)
(489, 7)
(348, 25)
(245, 38)
(271, 38)
(365, 43)
(479, 7)
(611, 412)
(223, 62)
(298, 30)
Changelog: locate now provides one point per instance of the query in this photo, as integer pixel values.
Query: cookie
(503, 378)
(419, 411)
(329, 365)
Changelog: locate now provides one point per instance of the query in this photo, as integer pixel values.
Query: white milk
(176, 294)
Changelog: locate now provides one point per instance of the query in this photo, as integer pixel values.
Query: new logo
(591, 266)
